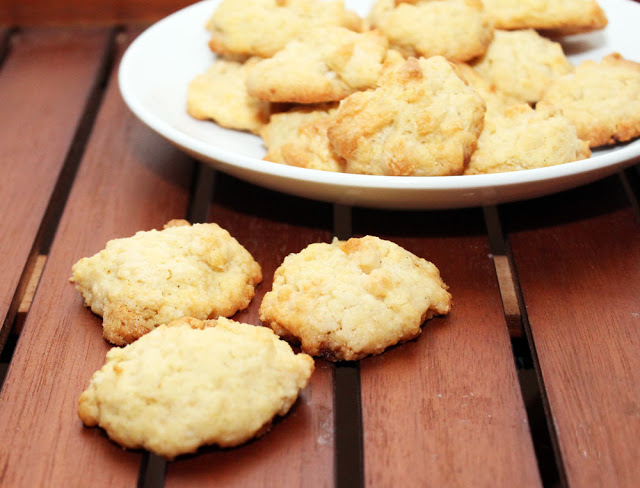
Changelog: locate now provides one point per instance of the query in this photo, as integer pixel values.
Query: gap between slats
(28, 283)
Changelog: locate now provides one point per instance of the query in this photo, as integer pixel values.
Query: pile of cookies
(418, 87)
(188, 376)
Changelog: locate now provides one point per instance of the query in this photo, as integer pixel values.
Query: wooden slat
(578, 261)
(299, 449)
(128, 180)
(45, 84)
(446, 409)
(36, 12)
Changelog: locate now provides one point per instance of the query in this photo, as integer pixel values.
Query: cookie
(192, 383)
(154, 277)
(601, 99)
(220, 94)
(350, 299)
(523, 138)
(522, 63)
(495, 100)
(326, 65)
(459, 30)
(299, 138)
(563, 16)
(422, 120)
(264, 27)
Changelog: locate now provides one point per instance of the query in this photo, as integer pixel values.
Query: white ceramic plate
(157, 67)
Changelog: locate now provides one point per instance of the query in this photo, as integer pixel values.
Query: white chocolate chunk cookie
(220, 94)
(264, 27)
(326, 65)
(155, 277)
(347, 300)
(523, 138)
(192, 383)
(456, 29)
(522, 63)
(601, 99)
(422, 120)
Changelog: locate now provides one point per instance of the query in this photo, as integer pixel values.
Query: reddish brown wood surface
(299, 449)
(36, 12)
(128, 180)
(446, 409)
(45, 82)
(578, 261)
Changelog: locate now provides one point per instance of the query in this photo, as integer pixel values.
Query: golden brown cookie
(422, 120)
(220, 94)
(601, 99)
(194, 383)
(523, 138)
(350, 299)
(522, 63)
(264, 27)
(154, 277)
(326, 65)
(459, 30)
(563, 16)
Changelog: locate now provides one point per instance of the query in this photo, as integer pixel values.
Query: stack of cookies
(418, 87)
(188, 376)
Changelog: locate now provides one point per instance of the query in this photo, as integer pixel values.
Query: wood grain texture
(578, 262)
(446, 408)
(38, 12)
(299, 449)
(37, 126)
(129, 180)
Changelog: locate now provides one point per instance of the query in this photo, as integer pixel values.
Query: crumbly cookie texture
(563, 16)
(350, 299)
(456, 29)
(264, 27)
(523, 138)
(496, 101)
(155, 277)
(192, 383)
(299, 138)
(325, 65)
(601, 99)
(422, 120)
(220, 94)
(522, 63)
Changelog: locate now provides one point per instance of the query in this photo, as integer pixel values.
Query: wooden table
(532, 380)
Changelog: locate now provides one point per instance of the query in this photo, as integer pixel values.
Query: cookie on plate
(523, 138)
(350, 299)
(562, 16)
(601, 99)
(522, 63)
(192, 383)
(220, 94)
(422, 120)
(154, 277)
(325, 65)
(456, 29)
(264, 27)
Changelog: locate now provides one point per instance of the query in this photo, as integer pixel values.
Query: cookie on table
(601, 99)
(299, 138)
(422, 120)
(524, 138)
(562, 16)
(350, 299)
(220, 94)
(456, 29)
(264, 27)
(155, 277)
(325, 65)
(192, 383)
(522, 63)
